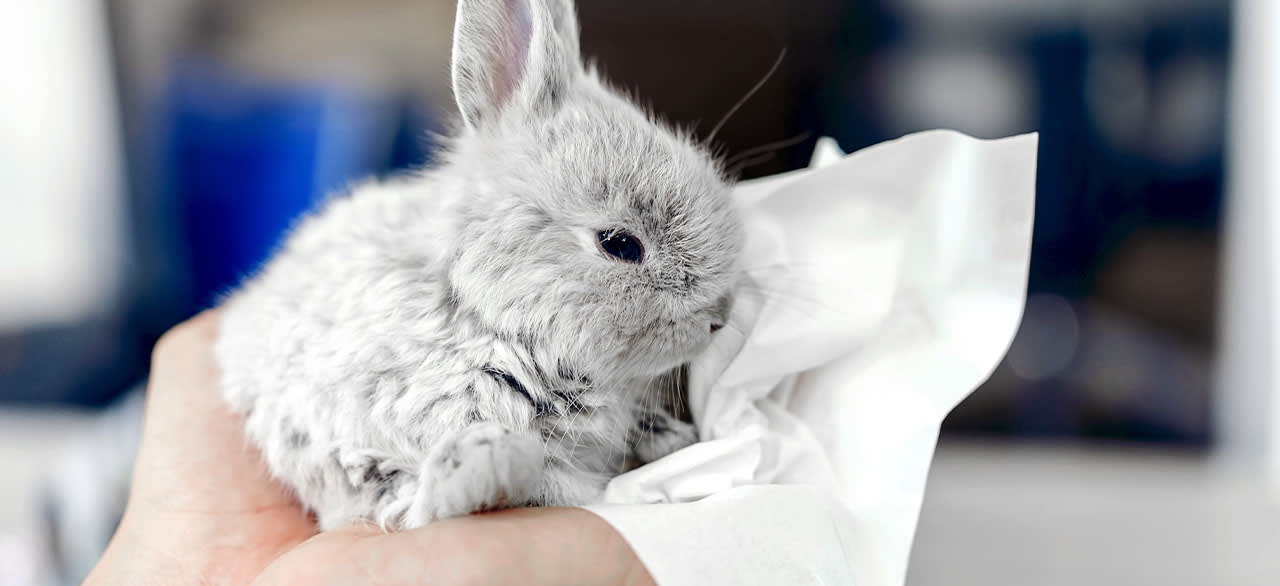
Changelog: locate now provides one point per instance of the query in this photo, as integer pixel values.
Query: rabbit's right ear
(512, 54)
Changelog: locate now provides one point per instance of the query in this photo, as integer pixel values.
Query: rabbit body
(500, 330)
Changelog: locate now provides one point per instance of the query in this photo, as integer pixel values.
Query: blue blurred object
(248, 155)
(222, 168)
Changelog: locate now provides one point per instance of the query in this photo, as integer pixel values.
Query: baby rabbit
(496, 331)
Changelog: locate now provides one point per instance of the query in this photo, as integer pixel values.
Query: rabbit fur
(459, 340)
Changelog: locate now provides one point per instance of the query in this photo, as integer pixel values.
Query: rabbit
(498, 330)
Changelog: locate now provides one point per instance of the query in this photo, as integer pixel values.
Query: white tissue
(883, 287)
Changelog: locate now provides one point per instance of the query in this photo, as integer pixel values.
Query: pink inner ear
(517, 36)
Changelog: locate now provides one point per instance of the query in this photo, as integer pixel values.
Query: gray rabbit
(500, 330)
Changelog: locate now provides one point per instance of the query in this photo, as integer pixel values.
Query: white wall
(1248, 406)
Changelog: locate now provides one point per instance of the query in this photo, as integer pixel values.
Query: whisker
(751, 92)
(796, 301)
(749, 163)
(790, 264)
(768, 148)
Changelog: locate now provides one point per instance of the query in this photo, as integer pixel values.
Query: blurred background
(151, 153)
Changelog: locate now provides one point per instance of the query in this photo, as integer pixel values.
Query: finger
(551, 546)
(199, 487)
(185, 351)
(557, 545)
(198, 330)
(194, 455)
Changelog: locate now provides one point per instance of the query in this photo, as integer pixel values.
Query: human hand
(203, 509)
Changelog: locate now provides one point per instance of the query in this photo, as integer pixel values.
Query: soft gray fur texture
(457, 341)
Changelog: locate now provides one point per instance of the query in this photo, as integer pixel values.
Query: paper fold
(880, 289)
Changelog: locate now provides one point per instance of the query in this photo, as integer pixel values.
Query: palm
(202, 503)
(196, 470)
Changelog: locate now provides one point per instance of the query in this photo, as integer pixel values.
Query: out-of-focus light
(1116, 91)
(1185, 114)
(981, 93)
(1048, 340)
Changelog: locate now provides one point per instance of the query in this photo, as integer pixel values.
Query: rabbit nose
(715, 327)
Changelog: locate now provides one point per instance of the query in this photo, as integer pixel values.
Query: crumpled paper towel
(881, 288)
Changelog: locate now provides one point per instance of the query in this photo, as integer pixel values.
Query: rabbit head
(583, 227)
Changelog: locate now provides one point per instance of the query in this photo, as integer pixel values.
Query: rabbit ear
(512, 53)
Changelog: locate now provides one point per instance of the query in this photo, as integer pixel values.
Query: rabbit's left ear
(513, 54)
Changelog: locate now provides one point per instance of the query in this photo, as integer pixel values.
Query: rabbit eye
(621, 245)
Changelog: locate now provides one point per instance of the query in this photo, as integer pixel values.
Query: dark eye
(621, 245)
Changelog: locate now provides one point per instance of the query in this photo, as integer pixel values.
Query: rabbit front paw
(484, 467)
